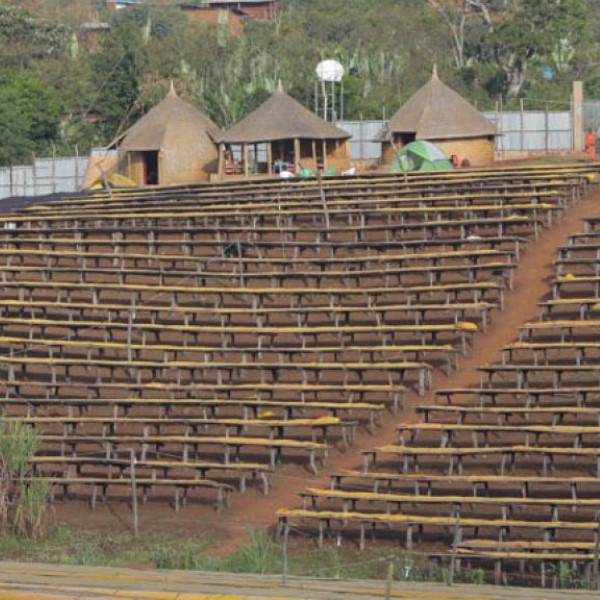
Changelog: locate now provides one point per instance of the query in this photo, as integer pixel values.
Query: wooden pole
(296, 156)
(454, 549)
(245, 154)
(389, 579)
(136, 528)
(270, 157)
(596, 566)
(221, 169)
(284, 549)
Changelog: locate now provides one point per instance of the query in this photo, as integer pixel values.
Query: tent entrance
(150, 167)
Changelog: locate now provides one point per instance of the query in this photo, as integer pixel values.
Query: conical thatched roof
(169, 121)
(281, 118)
(437, 112)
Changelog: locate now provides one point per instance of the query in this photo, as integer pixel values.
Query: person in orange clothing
(590, 144)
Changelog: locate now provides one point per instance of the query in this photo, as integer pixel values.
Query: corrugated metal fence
(521, 131)
(45, 176)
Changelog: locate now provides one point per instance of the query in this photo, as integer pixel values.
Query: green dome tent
(420, 156)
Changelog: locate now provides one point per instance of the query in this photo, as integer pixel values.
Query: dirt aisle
(530, 286)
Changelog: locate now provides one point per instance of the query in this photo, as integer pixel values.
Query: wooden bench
(323, 519)
(222, 372)
(454, 456)
(187, 444)
(78, 467)
(350, 500)
(100, 488)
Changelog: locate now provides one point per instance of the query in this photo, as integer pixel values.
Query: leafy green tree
(30, 114)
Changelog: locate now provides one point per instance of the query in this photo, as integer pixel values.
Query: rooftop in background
(256, 9)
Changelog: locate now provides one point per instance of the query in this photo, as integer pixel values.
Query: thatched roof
(436, 112)
(170, 120)
(282, 118)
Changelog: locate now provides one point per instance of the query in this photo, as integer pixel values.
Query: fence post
(134, 498)
(77, 184)
(10, 179)
(362, 138)
(33, 177)
(53, 172)
(546, 130)
(284, 573)
(521, 109)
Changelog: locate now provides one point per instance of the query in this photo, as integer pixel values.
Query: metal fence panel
(45, 176)
(362, 146)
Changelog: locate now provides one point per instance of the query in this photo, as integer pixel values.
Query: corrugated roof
(282, 118)
(438, 112)
(170, 118)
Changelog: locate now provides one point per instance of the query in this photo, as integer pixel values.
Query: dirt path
(530, 286)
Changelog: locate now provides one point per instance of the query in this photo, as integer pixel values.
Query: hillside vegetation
(57, 92)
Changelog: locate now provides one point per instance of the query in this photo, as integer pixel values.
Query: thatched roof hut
(289, 133)
(439, 114)
(173, 143)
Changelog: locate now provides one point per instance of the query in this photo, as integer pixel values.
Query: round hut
(440, 115)
(279, 135)
(174, 143)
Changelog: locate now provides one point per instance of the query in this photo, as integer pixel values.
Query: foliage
(483, 48)
(23, 498)
(29, 116)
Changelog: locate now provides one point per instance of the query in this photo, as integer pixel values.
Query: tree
(30, 114)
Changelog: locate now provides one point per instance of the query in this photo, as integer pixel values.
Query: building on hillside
(282, 134)
(174, 143)
(231, 14)
(440, 115)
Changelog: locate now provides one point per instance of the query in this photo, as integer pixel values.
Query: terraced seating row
(503, 460)
(183, 328)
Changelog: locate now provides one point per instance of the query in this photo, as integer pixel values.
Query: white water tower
(330, 72)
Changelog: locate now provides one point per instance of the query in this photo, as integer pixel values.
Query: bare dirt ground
(255, 511)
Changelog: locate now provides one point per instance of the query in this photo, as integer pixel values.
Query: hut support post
(324, 143)
(221, 160)
(245, 154)
(270, 158)
(296, 155)
(314, 153)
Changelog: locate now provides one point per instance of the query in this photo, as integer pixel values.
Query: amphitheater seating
(503, 460)
(220, 330)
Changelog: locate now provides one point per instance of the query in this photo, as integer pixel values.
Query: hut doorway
(150, 167)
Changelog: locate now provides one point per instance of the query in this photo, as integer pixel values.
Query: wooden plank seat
(456, 504)
(480, 433)
(539, 351)
(324, 519)
(392, 198)
(300, 316)
(32, 239)
(99, 488)
(137, 294)
(510, 226)
(578, 247)
(230, 336)
(339, 215)
(60, 466)
(571, 178)
(232, 235)
(79, 348)
(562, 284)
(525, 545)
(581, 306)
(455, 273)
(170, 408)
(505, 414)
(521, 374)
(564, 328)
(454, 456)
(319, 428)
(577, 266)
(390, 396)
(475, 484)
(158, 445)
(542, 396)
(221, 372)
(58, 258)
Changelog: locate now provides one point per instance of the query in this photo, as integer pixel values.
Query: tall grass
(23, 497)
